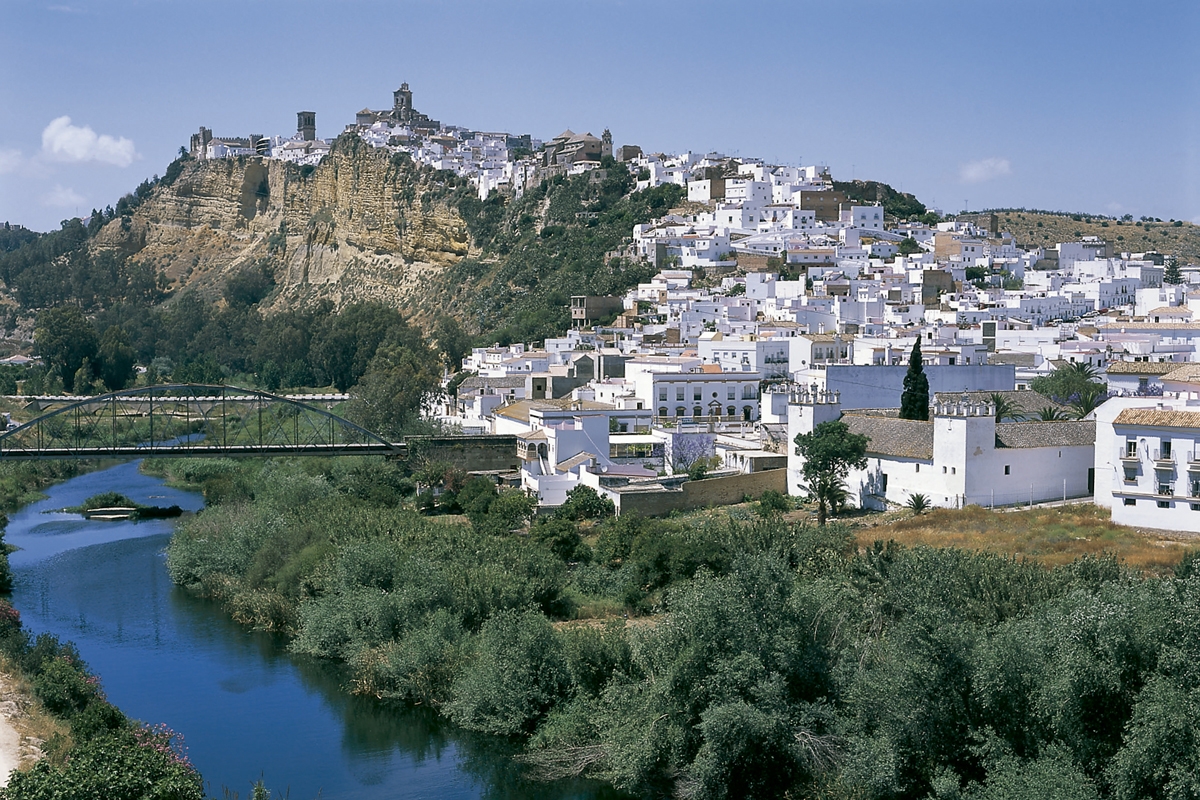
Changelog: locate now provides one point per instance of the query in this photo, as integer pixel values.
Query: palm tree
(1088, 400)
(1051, 414)
(918, 503)
(1005, 409)
(830, 493)
(1085, 371)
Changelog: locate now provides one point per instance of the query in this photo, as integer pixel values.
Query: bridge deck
(206, 451)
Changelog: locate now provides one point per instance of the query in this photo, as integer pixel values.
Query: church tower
(402, 103)
(306, 125)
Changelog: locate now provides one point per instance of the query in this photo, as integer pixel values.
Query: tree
(403, 374)
(117, 360)
(65, 339)
(909, 246)
(1173, 274)
(829, 453)
(1005, 408)
(914, 400)
(1051, 414)
(453, 341)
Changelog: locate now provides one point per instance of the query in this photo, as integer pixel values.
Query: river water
(246, 708)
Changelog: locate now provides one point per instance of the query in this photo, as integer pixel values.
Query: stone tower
(402, 103)
(306, 125)
(606, 148)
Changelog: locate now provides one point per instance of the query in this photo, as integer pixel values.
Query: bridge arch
(191, 420)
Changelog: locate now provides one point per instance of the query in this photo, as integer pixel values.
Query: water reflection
(246, 707)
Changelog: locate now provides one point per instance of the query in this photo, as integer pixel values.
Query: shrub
(518, 673)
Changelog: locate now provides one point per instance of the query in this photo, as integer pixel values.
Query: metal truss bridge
(190, 420)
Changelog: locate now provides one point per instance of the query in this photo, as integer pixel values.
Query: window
(1131, 448)
(679, 393)
(943, 470)
(662, 393)
(1129, 501)
(696, 393)
(1007, 469)
(1130, 476)
(918, 467)
(1166, 448)
(883, 482)
(1164, 503)
(1164, 488)
(732, 393)
(1195, 506)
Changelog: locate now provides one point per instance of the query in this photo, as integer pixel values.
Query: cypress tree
(914, 400)
(1173, 274)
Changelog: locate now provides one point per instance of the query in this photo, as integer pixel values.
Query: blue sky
(1077, 106)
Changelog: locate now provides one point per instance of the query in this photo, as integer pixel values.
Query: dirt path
(10, 737)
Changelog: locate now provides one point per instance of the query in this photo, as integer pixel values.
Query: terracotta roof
(575, 461)
(891, 436)
(1154, 418)
(1074, 433)
(1141, 367)
(1175, 311)
(1186, 373)
(520, 410)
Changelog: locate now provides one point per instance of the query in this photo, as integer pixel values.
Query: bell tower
(306, 125)
(402, 103)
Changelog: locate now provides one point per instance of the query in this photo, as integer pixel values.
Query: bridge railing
(189, 419)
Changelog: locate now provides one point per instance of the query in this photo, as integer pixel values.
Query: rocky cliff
(364, 224)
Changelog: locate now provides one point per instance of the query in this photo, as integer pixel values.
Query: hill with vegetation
(1126, 235)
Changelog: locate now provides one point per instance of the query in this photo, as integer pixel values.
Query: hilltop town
(782, 298)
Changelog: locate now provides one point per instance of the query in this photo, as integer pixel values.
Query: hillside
(364, 225)
(1180, 239)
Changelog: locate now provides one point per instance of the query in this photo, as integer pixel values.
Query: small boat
(114, 512)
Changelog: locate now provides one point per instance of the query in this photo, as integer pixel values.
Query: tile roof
(1141, 367)
(1073, 433)
(1154, 418)
(575, 461)
(1186, 373)
(892, 436)
(1025, 401)
(519, 410)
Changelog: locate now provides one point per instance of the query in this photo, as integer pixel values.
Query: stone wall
(470, 453)
(691, 495)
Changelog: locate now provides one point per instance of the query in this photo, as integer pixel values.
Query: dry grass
(20, 708)
(1054, 536)
(1163, 237)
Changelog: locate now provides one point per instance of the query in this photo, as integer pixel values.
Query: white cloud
(63, 141)
(985, 169)
(9, 160)
(63, 197)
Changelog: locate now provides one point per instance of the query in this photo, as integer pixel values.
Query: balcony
(1163, 459)
(1126, 454)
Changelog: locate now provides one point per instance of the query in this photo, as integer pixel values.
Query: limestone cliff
(361, 225)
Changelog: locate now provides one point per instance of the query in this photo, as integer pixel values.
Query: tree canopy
(830, 452)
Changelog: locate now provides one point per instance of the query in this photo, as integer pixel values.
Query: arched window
(680, 411)
(746, 412)
(732, 411)
(662, 411)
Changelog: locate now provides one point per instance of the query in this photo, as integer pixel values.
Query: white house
(1148, 462)
(960, 457)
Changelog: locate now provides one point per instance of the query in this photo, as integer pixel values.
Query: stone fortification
(362, 225)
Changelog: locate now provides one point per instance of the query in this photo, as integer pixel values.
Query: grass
(1053, 536)
(1163, 237)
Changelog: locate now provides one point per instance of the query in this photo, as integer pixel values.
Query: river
(246, 708)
